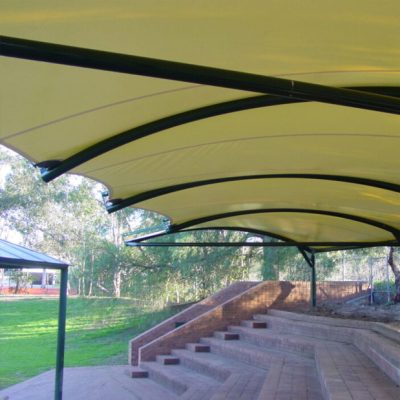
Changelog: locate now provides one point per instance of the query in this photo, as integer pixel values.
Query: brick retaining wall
(256, 299)
(186, 315)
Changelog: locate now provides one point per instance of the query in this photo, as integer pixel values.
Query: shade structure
(13, 255)
(18, 257)
(274, 116)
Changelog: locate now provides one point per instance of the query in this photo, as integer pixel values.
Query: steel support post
(62, 313)
(313, 281)
(310, 259)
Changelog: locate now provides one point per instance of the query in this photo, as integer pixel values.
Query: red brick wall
(31, 291)
(256, 299)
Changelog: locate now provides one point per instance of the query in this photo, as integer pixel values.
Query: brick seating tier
(296, 356)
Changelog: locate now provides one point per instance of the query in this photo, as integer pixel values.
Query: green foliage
(381, 290)
(98, 331)
(20, 278)
(67, 219)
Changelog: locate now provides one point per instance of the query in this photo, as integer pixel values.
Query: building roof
(13, 255)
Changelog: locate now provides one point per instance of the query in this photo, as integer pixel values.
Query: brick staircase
(282, 355)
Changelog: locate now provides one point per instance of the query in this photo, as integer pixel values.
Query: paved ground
(88, 383)
(299, 357)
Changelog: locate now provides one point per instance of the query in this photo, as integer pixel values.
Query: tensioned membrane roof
(272, 116)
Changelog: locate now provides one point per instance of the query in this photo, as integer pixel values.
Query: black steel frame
(288, 91)
(179, 227)
(113, 205)
(51, 169)
(151, 67)
(62, 315)
(335, 246)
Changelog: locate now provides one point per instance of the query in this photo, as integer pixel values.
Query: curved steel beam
(338, 245)
(245, 230)
(285, 240)
(256, 232)
(188, 224)
(51, 169)
(229, 228)
(353, 246)
(144, 66)
(171, 231)
(118, 204)
(129, 64)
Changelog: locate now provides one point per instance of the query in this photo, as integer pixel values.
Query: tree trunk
(17, 282)
(396, 273)
(83, 286)
(91, 273)
(177, 294)
(269, 268)
(117, 284)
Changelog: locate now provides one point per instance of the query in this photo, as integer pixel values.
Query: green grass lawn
(98, 331)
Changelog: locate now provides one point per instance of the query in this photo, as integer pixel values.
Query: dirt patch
(380, 313)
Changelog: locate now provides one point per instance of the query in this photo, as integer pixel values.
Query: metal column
(313, 281)
(310, 259)
(62, 313)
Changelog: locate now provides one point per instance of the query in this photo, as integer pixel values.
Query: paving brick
(168, 360)
(254, 324)
(227, 335)
(198, 347)
(137, 373)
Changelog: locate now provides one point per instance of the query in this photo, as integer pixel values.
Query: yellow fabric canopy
(312, 162)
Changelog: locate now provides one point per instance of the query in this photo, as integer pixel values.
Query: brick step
(382, 351)
(299, 345)
(137, 372)
(214, 365)
(252, 354)
(310, 329)
(150, 390)
(177, 378)
(379, 344)
(345, 373)
(384, 329)
(199, 392)
(198, 347)
(285, 381)
(254, 324)
(388, 331)
(241, 386)
(167, 360)
(226, 335)
(293, 316)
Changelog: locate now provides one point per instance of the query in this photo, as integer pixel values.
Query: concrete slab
(89, 383)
